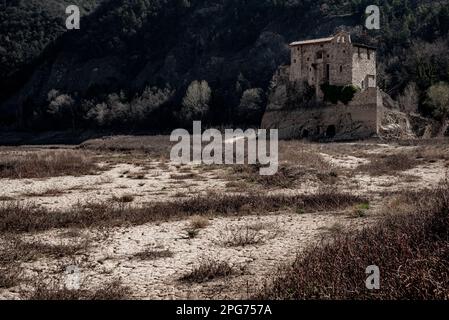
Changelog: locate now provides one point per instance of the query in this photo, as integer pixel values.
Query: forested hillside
(27, 26)
(157, 64)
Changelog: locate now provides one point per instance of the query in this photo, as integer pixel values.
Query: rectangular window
(328, 72)
(369, 54)
(358, 52)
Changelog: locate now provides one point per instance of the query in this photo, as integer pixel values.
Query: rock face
(360, 118)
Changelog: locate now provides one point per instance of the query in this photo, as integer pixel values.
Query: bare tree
(196, 101)
(409, 100)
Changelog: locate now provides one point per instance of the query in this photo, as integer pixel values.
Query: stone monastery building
(334, 60)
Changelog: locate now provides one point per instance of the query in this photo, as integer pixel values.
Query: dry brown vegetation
(19, 250)
(296, 163)
(152, 146)
(9, 271)
(46, 164)
(199, 222)
(126, 198)
(409, 244)
(153, 254)
(411, 248)
(22, 217)
(52, 192)
(54, 291)
(388, 164)
(15, 251)
(209, 270)
(241, 237)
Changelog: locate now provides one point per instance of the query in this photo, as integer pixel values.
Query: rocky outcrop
(297, 115)
(371, 113)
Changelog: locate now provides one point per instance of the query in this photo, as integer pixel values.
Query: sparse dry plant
(47, 164)
(199, 222)
(153, 254)
(405, 246)
(25, 217)
(208, 270)
(51, 290)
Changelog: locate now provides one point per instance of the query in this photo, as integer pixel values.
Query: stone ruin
(329, 92)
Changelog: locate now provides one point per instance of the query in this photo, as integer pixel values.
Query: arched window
(341, 68)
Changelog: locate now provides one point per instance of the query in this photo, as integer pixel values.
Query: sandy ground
(110, 254)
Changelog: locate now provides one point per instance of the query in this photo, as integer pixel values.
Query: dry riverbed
(216, 253)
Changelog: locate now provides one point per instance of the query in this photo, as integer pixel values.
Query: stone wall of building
(347, 63)
(361, 118)
(363, 64)
(337, 61)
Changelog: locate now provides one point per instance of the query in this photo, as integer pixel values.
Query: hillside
(27, 27)
(133, 61)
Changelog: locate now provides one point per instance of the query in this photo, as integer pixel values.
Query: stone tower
(334, 60)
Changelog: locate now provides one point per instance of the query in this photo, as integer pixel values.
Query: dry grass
(187, 176)
(285, 177)
(411, 248)
(23, 217)
(52, 291)
(46, 164)
(297, 163)
(15, 249)
(199, 222)
(9, 276)
(153, 146)
(51, 192)
(208, 270)
(388, 164)
(241, 236)
(126, 198)
(152, 254)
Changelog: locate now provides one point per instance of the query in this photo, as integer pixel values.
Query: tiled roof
(313, 41)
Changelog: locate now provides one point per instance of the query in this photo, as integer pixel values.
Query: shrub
(208, 270)
(410, 248)
(251, 103)
(332, 93)
(438, 100)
